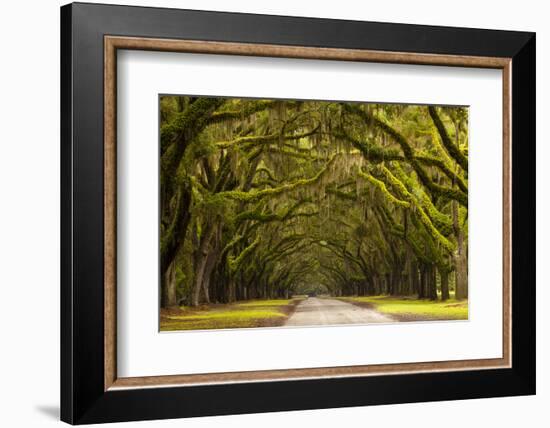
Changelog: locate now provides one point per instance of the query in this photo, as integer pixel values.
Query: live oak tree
(269, 198)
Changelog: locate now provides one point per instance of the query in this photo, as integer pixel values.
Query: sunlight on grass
(275, 302)
(229, 315)
(255, 313)
(421, 309)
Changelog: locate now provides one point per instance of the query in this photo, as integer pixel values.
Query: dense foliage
(269, 198)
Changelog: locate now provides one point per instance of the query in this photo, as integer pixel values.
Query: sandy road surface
(315, 311)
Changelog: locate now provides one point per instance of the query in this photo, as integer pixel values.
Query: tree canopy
(269, 198)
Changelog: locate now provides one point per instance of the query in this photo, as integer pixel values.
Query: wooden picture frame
(91, 390)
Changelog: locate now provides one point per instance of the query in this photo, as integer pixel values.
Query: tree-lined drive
(363, 207)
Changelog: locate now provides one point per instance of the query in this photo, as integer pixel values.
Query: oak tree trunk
(169, 295)
(444, 274)
(460, 259)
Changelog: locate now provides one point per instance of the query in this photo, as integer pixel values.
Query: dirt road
(315, 311)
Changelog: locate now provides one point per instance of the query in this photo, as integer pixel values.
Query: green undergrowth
(247, 314)
(408, 309)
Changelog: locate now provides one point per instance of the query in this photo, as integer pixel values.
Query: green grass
(262, 303)
(253, 313)
(229, 315)
(415, 310)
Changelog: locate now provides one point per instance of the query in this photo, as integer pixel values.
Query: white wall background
(29, 214)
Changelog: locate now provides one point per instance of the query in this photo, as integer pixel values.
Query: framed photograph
(266, 213)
